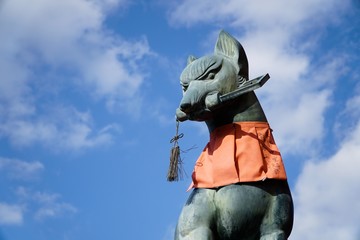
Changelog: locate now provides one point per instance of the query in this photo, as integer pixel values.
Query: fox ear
(190, 59)
(229, 47)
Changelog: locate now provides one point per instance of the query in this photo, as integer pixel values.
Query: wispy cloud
(254, 14)
(62, 128)
(18, 169)
(11, 214)
(22, 200)
(44, 205)
(55, 46)
(326, 195)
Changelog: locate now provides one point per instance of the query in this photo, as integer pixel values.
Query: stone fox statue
(240, 189)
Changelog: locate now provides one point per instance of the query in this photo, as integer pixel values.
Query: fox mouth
(200, 111)
(200, 114)
(189, 108)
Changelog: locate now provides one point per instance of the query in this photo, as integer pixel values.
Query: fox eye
(208, 76)
(184, 87)
(211, 75)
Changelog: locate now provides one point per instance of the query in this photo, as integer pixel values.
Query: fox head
(219, 73)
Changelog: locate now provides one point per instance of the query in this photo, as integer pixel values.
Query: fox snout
(194, 96)
(198, 100)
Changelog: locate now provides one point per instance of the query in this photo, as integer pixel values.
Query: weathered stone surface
(244, 210)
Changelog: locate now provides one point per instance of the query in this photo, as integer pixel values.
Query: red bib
(238, 152)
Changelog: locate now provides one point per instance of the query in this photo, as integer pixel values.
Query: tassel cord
(175, 159)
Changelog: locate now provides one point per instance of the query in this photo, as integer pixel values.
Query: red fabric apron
(238, 152)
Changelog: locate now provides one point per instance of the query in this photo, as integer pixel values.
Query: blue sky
(88, 92)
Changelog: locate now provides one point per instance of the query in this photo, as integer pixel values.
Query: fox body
(241, 210)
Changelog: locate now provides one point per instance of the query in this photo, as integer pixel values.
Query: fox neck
(246, 108)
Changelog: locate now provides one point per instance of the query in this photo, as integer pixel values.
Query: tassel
(175, 167)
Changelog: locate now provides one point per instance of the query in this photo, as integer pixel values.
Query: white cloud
(352, 107)
(254, 14)
(51, 206)
(51, 44)
(63, 128)
(10, 214)
(279, 38)
(19, 169)
(54, 210)
(326, 195)
(45, 205)
(40, 205)
(299, 125)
